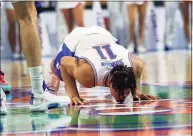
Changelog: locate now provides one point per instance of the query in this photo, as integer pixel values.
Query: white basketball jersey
(98, 47)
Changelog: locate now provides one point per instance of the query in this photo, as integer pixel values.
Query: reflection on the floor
(104, 115)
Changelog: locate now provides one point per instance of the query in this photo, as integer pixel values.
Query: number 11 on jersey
(107, 48)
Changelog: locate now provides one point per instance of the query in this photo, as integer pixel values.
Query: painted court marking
(119, 108)
(133, 113)
(105, 129)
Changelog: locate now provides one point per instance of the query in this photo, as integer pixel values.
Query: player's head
(122, 82)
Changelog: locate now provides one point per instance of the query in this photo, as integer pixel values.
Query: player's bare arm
(73, 69)
(138, 68)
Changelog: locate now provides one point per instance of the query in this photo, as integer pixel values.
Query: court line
(169, 82)
(96, 105)
(142, 83)
(114, 104)
(104, 129)
(9, 103)
(132, 113)
(173, 99)
(129, 129)
(95, 94)
(119, 108)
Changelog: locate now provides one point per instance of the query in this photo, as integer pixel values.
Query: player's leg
(142, 16)
(185, 15)
(78, 15)
(67, 13)
(27, 17)
(132, 12)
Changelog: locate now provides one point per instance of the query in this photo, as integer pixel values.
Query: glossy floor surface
(167, 75)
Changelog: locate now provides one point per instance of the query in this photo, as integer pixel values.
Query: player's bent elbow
(66, 63)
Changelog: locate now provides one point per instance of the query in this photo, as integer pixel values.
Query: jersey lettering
(108, 50)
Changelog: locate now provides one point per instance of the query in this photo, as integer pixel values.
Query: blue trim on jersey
(57, 61)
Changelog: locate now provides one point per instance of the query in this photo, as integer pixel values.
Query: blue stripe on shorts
(65, 52)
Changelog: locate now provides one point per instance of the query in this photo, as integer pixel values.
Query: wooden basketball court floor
(166, 74)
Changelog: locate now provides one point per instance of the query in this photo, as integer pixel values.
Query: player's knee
(28, 19)
(26, 12)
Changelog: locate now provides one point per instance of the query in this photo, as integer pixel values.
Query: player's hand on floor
(142, 96)
(78, 101)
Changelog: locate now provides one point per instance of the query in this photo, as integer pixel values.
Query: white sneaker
(141, 49)
(3, 110)
(130, 47)
(15, 56)
(47, 100)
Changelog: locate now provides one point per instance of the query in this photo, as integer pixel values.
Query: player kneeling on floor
(91, 56)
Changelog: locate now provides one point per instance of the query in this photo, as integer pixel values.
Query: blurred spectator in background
(136, 8)
(160, 13)
(185, 8)
(12, 38)
(105, 9)
(73, 13)
(98, 14)
(47, 27)
(171, 8)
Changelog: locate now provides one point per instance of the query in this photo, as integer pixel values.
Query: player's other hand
(77, 101)
(142, 96)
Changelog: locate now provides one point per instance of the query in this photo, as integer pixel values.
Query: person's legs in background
(132, 12)
(11, 18)
(67, 13)
(73, 13)
(142, 8)
(161, 21)
(78, 15)
(185, 5)
(171, 8)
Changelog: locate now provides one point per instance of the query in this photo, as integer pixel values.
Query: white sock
(36, 77)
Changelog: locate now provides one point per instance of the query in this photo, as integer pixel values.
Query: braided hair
(122, 77)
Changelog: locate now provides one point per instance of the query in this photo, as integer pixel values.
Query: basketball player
(93, 58)
(41, 98)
